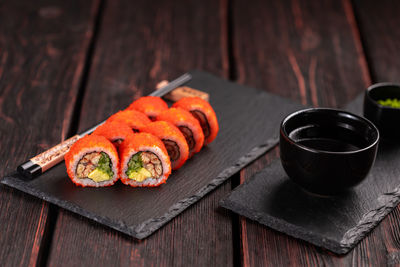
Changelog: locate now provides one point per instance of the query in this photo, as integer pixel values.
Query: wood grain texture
(141, 43)
(309, 51)
(378, 22)
(42, 51)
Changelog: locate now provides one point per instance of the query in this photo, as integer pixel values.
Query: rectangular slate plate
(245, 133)
(336, 223)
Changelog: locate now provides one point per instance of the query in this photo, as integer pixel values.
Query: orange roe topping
(182, 118)
(114, 130)
(152, 106)
(134, 119)
(195, 104)
(88, 141)
(167, 131)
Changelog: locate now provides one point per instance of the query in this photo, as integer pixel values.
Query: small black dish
(387, 119)
(327, 151)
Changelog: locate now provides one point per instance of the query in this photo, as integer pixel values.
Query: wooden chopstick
(51, 157)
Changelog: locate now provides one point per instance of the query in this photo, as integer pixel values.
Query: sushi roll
(144, 161)
(204, 113)
(134, 119)
(92, 161)
(152, 106)
(188, 125)
(114, 131)
(174, 141)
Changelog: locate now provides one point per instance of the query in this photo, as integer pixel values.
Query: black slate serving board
(249, 121)
(336, 223)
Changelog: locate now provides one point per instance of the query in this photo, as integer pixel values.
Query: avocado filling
(95, 166)
(144, 165)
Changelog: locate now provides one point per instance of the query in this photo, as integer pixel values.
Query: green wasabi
(104, 164)
(134, 164)
(103, 170)
(136, 171)
(393, 103)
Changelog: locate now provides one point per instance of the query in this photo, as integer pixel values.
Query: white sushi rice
(88, 181)
(149, 181)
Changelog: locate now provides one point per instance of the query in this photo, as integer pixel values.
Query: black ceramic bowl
(387, 119)
(327, 151)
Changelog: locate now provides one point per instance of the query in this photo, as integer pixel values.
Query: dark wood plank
(135, 50)
(42, 52)
(309, 51)
(379, 23)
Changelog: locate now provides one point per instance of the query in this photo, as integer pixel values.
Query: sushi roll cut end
(204, 113)
(92, 161)
(188, 125)
(144, 161)
(174, 141)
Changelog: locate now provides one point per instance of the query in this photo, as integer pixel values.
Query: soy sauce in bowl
(326, 151)
(333, 139)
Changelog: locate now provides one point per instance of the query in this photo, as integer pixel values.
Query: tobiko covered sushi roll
(114, 131)
(134, 119)
(204, 113)
(92, 161)
(173, 139)
(144, 161)
(188, 125)
(152, 106)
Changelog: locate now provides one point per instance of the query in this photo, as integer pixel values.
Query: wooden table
(65, 65)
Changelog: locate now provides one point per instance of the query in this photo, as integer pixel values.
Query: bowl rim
(375, 86)
(313, 150)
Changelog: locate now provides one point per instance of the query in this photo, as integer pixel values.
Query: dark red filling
(188, 136)
(203, 122)
(172, 148)
(117, 141)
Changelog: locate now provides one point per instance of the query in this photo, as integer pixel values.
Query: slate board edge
(148, 227)
(283, 226)
(350, 239)
(18, 184)
(277, 224)
(371, 219)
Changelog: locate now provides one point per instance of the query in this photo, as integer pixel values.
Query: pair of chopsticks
(51, 157)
